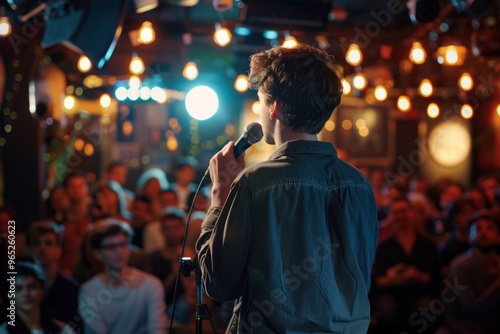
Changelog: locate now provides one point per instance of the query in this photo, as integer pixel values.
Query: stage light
(202, 103)
(466, 82)
(404, 103)
(190, 71)
(136, 65)
(84, 64)
(222, 36)
(353, 55)
(147, 34)
(433, 110)
(417, 53)
(425, 88)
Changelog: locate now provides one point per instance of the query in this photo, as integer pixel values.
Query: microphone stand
(202, 311)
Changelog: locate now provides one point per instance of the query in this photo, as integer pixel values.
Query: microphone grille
(253, 132)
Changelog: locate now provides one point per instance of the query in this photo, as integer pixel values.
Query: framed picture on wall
(362, 132)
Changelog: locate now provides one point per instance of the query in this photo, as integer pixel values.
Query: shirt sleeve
(157, 319)
(224, 245)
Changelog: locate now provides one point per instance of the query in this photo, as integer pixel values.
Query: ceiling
(383, 29)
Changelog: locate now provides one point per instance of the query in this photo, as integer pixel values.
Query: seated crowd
(106, 259)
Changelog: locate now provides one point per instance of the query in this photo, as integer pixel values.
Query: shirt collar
(304, 147)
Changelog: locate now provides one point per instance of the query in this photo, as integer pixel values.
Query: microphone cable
(174, 301)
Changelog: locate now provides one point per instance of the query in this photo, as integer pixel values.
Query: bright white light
(202, 103)
(380, 93)
(241, 83)
(133, 94)
(69, 102)
(84, 64)
(145, 93)
(190, 71)
(121, 93)
(105, 100)
(346, 87)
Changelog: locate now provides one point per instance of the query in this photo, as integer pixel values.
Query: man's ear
(274, 110)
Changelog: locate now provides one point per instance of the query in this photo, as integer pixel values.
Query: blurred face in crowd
(185, 175)
(450, 194)
(118, 173)
(114, 252)
(29, 293)
(477, 198)
(59, 200)
(169, 198)
(77, 189)
(173, 230)
(489, 186)
(152, 188)
(45, 249)
(108, 201)
(461, 220)
(141, 213)
(402, 215)
(484, 234)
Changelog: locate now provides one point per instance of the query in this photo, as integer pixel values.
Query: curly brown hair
(303, 80)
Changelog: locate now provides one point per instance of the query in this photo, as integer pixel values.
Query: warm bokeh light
(417, 53)
(329, 125)
(159, 95)
(222, 36)
(360, 123)
(69, 102)
(433, 110)
(346, 124)
(84, 64)
(404, 103)
(290, 42)
(5, 27)
(425, 88)
(466, 82)
(136, 65)
(202, 102)
(121, 93)
(466, 111)
(79, 144)
(353, 55)
(359, 81)
(134, 82)
(364, 131)
(380, 93)
(147, 33)
(241, 83)
(172, 143)
(105, 100)
(190, 71)
(88, 149)
(346, 87)
(451, 55)
(127, 128)
(498, 110)
(133, 93)
(256, 107)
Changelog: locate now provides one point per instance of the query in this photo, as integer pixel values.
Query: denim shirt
(294, 243)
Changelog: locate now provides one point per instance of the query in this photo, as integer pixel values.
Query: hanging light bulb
(425, 88)
(222, 36)
(84, 64)
(417, 53)
(359, 81)
(404, 103)
(105, 100)
(353, 55)
(433, 110)
(346, 87)
(147, 34)
(134, 82)
(190, 71)
(5, 27)
(289, 41)
(241, 83)
(136, 65)
(380, 93)
(466, 82)
(466, 111)
(451, 55)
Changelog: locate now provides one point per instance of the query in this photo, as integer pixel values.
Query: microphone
(252, 134)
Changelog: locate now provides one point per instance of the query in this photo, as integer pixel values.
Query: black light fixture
(423, 11)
